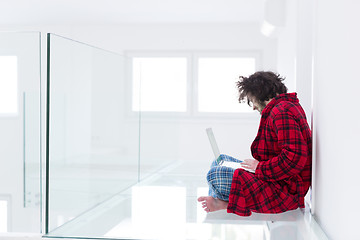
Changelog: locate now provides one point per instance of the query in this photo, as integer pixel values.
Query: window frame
(192, 82)
(220, 54)
(7, 198)
(129, 85)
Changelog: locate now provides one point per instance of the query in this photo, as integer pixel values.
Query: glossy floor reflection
(165, 207)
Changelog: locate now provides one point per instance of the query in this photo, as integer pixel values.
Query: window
(162, 83)
(8, 85)
(3, 215)
(216, 83)
(190, 83)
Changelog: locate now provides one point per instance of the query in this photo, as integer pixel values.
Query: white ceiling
(129, 11)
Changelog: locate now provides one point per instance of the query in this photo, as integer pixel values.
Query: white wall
(287, 40)
(337, 127)
(295, 51)
(304, 54)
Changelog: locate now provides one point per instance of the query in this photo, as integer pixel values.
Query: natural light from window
(8, 85)
(217, 79)
(162, 82)
(167, 211)
(3, 215)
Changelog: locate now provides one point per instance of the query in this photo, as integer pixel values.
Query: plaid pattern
(283, 149)
(220, 177)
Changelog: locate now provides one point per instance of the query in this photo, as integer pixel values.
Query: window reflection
(162, 212)
(159, 211)
(3, 215)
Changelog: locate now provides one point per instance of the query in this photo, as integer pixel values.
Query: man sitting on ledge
(282, 153)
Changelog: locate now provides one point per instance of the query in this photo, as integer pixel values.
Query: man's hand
(250, 164)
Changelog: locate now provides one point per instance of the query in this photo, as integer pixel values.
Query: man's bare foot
(211, 204)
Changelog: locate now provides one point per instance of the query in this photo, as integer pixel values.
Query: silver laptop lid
(213, 143)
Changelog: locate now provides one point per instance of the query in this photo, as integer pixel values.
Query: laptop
(213, 143)
(216, 152)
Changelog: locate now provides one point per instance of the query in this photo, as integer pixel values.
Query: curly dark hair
(261, 85)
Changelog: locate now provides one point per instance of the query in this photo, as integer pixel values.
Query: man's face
(257, 105)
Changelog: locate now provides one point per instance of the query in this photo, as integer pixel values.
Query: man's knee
(210, 176)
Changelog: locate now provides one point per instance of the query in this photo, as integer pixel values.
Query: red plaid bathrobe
(283, 149)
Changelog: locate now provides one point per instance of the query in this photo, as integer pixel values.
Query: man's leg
(219, 179)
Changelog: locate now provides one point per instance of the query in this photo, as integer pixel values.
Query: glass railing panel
(162, 101)
(31, 136)
(20, 181)
(160, 144)
(93, 141)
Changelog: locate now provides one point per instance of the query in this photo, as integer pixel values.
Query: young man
(281, 150)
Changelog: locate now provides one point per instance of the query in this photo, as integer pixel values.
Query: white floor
(165, 207)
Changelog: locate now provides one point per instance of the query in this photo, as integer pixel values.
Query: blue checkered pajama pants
(220, 177)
